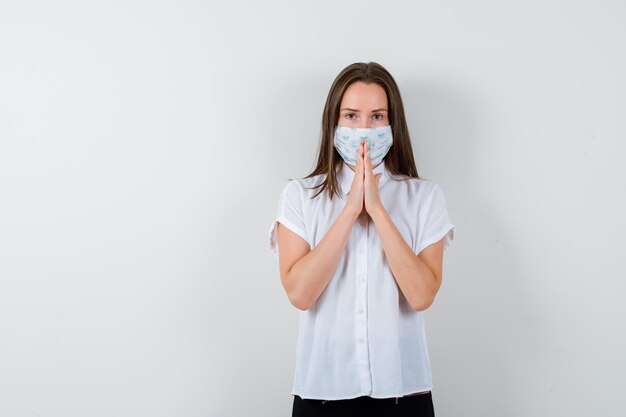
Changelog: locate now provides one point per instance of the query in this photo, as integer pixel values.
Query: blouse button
(360, 311)
(361, 340)
(362, 250)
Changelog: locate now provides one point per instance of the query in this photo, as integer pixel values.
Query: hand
(370, 182)
(355, 195)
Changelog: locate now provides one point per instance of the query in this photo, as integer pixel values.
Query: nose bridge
(367, 124)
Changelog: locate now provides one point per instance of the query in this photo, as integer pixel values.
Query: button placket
(361, 307)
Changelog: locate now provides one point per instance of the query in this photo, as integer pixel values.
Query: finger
(365, 162)
(360, 161)
(366, 159)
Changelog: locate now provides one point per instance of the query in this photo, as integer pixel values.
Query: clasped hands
(364, 190)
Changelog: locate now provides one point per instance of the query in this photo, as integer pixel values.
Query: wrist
(377, 212)
(351, 212)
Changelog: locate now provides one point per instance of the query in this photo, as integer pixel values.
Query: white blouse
(361, 336)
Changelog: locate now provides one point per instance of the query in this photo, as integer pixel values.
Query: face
(363, 105)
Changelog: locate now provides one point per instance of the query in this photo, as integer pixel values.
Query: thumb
(378, 178)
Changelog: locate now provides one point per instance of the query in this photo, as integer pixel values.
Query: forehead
(362, 96)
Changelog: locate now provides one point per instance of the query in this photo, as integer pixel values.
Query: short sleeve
(289, 213)
(435, 221)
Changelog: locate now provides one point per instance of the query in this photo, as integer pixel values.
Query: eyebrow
(356, 110)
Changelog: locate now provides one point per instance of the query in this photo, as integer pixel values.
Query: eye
(348, 114)
(381, 116)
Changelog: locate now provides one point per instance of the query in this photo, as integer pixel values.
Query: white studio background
(143, 145)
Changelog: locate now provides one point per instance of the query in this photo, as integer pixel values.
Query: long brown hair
(398, 160)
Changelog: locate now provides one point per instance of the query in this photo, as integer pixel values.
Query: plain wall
(143, 145)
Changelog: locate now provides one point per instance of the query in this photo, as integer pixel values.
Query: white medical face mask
(348, 139)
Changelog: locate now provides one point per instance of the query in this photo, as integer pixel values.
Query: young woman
(360, 243)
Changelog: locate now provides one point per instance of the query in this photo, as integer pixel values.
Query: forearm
(414, 277)
(310, 275)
